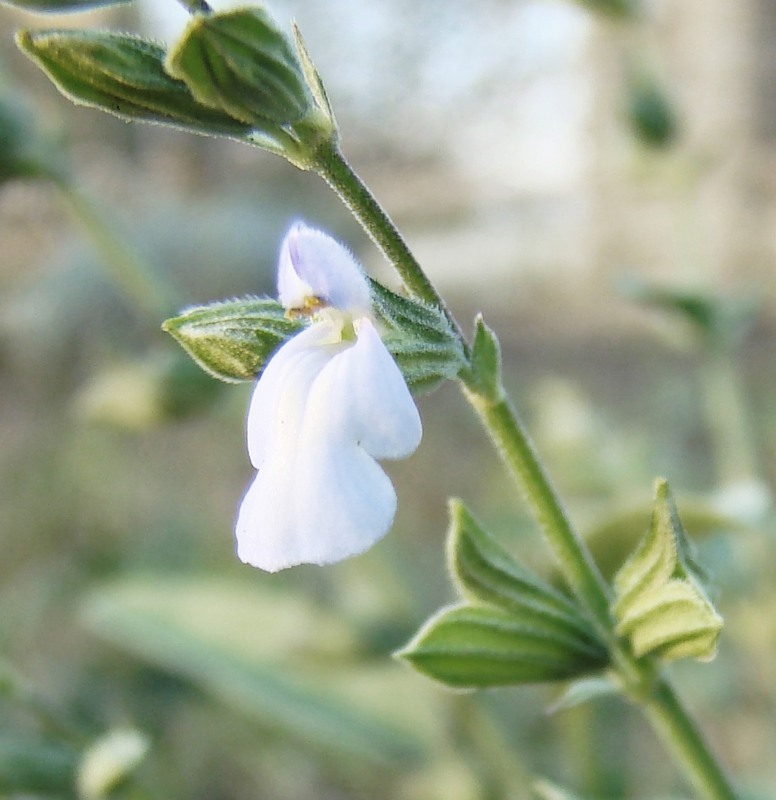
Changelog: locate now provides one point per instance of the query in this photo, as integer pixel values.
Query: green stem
(334, 168)
(122, 265)
(506, 431)
(683, 740)
(513, 444)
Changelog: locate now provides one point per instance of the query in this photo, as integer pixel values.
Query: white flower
(330, 401)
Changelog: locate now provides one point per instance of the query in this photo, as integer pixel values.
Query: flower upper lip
(313, 265)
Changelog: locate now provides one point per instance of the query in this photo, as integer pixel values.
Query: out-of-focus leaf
(32, 767)
(651, 115)
(139, 393)
(545, 790)
(109, 761)
(243, 646)
(25, 151)
(617, 9)
(718, 321)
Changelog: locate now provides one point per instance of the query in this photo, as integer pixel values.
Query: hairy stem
(683, 740)
(655, 695)
(513, 444)
(332, 166)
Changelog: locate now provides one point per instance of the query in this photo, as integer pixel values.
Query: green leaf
(123, 75)
(62, 6)
(419, 337)
(514, 628)
(718, 321)
(660, 603)
(314, 82)
(486, 574)
(233, 340)
(483, 374)
(469, 646)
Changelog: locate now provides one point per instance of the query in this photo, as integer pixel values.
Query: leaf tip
(24, 41)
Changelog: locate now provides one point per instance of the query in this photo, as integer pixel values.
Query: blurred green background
(602, 188)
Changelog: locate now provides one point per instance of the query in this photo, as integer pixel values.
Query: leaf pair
(233, 340)
(512, 627)
(232, 74)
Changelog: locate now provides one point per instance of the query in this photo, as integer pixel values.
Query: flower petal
(369, 401)
(277, 404)
(334, 507)
(320, 415)
(314, 264)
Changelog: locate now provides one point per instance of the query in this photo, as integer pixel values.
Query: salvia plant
(336, 358)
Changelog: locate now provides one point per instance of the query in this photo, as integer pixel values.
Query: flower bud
(661, 605)
(241, 63)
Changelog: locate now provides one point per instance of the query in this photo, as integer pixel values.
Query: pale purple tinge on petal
(320, 415)
(314, 264)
